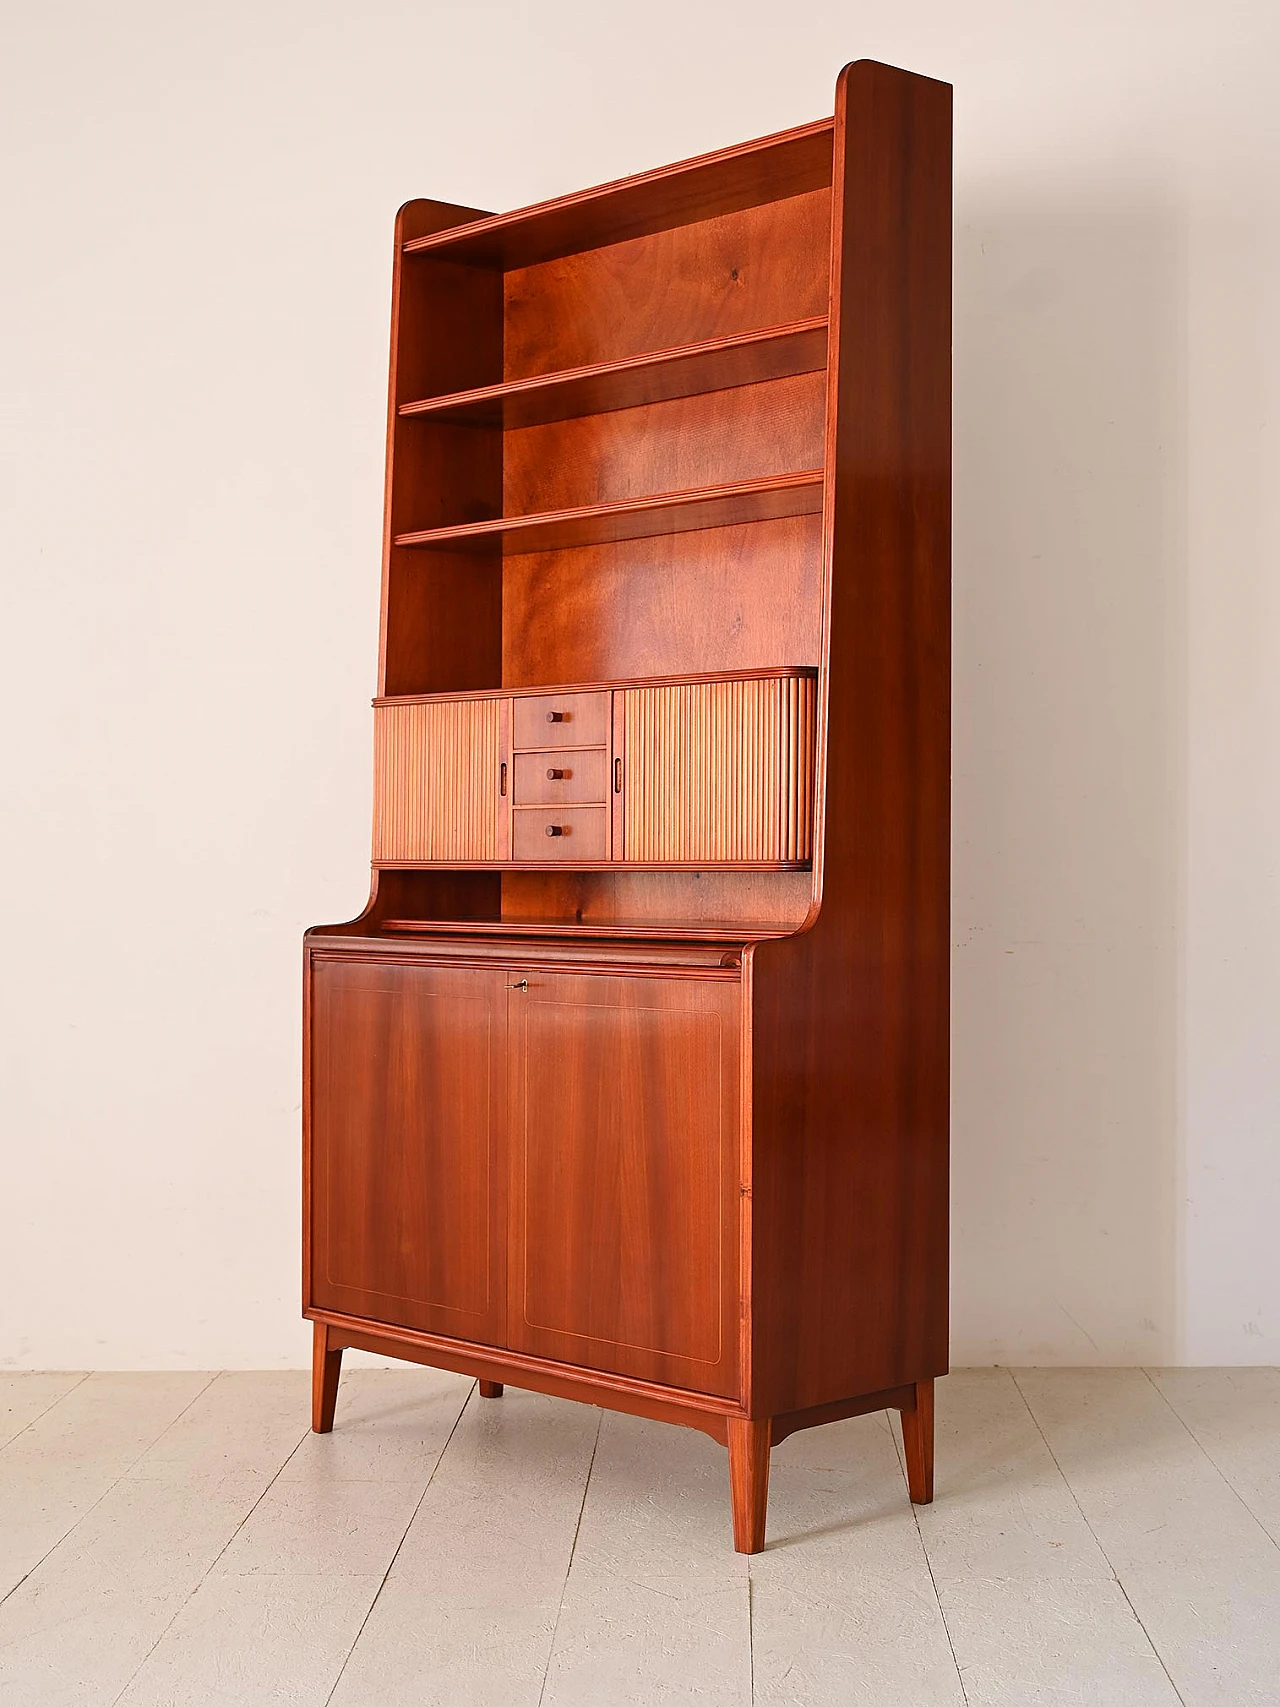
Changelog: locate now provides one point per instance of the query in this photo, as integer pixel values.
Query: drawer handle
(557, 829)
(556, 717)
(558, 776)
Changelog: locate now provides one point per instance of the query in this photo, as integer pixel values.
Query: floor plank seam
(928, 1562)
(110, 1488)
(751, 1637)
(213, 1564)
(377, 1594)
(1084, 1518)
(1210, 1459)
(51, 1406)
(1138, 1620)
(573, 1548)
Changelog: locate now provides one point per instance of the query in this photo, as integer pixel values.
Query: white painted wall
(196, 256)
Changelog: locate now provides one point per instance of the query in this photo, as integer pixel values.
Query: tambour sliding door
(719, 771)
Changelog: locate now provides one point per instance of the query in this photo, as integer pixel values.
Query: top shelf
(789, 163)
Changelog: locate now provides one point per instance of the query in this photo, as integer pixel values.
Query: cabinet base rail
(748, 1439)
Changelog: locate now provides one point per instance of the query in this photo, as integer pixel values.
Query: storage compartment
(573, 777)
(561, 720)
(560, 833)
(710, 772)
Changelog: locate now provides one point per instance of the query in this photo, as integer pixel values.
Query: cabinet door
(407, 1145)
(439, 781)
(717, 772)
(626, 1176)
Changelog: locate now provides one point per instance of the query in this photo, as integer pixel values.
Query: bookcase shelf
(789, 163)
(714, 364)
(767, 499)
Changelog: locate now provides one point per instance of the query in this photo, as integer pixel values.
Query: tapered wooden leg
(326, 1366)
(490, 1389)
(749, 1482)
(917, 1445)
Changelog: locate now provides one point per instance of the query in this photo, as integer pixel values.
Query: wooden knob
(556, 776)
(555, 717)
(555, 829)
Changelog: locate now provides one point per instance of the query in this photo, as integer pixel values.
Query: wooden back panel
(760, 266)
(735, 598)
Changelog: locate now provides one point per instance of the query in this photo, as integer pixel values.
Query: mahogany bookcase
(630, 1084)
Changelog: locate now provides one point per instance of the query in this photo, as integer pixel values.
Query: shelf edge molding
(656, 930)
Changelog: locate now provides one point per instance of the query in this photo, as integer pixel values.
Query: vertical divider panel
(506, 780)
(441, 621)
(618, 774)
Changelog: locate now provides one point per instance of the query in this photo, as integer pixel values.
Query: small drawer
(561, 720)
(571, 777)
(573, 833)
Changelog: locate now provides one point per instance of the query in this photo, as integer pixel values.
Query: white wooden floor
(1100, 1538)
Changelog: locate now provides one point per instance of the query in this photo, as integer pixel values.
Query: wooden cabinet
(630, 1082)
(443, 1093)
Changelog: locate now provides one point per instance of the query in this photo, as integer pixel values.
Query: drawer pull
(556, 829)
(558, 776)
(555, 717)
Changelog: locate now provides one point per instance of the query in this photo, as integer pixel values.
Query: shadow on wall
(1068, 777)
